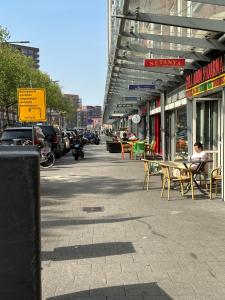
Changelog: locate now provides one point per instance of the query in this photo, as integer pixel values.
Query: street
(104, 237)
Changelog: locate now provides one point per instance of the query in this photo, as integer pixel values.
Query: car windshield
(17, 134)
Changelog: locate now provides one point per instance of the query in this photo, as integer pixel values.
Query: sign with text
(126, 105)
(141, 86)
(209, 85)
(31, 105)
(165, 63)
(132, 98)
(211, 70)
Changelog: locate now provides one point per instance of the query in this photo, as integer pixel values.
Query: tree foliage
(18, 71)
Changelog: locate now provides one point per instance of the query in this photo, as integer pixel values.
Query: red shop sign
(165, 62)
(211, 70)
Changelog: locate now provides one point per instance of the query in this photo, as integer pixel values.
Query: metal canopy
(165, 52)
(148, 70)
(213, 2)
(180, 40)
(138, 59)
(129, 49)
(177, 21)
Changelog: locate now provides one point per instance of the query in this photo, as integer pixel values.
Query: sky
(72, 38)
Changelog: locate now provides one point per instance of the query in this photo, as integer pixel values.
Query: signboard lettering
(125, 105)
(132, 98)
(216, 82)
(165, 63)
(211, 70)
(141, 86)
(31, 105)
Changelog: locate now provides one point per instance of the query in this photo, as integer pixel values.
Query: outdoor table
(199, 169)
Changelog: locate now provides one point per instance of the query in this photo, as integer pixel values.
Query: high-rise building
(76, 103)
(30, 52)
(87, 115)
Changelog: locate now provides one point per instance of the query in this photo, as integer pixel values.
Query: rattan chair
(181, 177)
(215, 178)
(149, 170)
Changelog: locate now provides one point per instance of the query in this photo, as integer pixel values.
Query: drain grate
(93, 209)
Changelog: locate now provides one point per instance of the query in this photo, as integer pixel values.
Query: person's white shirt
(199, 156)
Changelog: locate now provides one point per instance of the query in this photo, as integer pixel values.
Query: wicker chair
(181, 178)
(215, 178)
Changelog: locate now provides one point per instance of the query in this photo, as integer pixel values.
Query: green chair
(139, 149)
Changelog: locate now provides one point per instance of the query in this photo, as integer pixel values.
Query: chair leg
(182, 188)
(144, 182)
(163, 186)
(210, 189)
(216, 187)
(148, 180)
(192, 189)
(168, 197)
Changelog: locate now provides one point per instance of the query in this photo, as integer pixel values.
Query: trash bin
(20, 223)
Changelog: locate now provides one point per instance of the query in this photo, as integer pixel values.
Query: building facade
(187, 103)
(30, 52)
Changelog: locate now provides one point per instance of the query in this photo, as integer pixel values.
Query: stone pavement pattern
(136, 245)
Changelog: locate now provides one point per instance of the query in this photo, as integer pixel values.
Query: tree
(18, 71)
(15, 69)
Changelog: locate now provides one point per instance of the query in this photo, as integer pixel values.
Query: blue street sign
(131, 98)
(141, 86)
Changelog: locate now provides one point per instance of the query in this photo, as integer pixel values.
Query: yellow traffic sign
(31, 104)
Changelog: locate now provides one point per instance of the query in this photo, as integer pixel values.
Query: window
(181, 132)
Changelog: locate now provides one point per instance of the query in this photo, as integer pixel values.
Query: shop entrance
(208, 125)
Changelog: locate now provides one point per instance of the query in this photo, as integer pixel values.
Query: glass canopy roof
(140, 29)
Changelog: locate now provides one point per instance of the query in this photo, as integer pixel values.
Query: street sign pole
(32, 123)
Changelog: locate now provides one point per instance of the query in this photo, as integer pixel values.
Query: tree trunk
(7, 115)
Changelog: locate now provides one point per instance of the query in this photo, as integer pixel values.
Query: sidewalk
(104, 238)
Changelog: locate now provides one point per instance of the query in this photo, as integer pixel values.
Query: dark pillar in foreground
(19, 223)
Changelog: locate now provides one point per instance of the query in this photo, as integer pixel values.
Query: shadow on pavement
(100, 185)
(88, 251)
(138, 291)
(69, 222)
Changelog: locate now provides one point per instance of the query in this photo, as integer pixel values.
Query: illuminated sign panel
(209, 85)
(165, 63)
(206, 78)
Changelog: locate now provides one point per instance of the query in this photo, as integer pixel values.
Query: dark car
(54, 136)
(18, 135)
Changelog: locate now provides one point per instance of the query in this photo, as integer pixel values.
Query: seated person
(198, 156)
(132, 137)
(125, 138)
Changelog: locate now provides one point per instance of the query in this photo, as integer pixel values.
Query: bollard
(20, 223)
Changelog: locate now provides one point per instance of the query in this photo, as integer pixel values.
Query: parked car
(17, 135)
(54, 136)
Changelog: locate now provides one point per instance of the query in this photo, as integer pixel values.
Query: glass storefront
(208, 128)
(181, 140)
(207, 124)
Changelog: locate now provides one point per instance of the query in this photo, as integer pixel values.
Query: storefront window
(207, 124)
(181, 133)
(152, 129)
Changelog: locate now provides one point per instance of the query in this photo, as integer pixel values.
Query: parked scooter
(77, 150)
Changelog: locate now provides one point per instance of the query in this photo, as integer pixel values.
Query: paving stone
(106, 268)
(174, 250)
